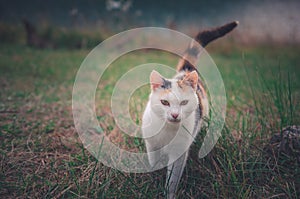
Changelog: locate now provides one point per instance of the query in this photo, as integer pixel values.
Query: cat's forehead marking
(165, 92)
(166, 84)
(169, 94)
(181, 84)
(179, 81)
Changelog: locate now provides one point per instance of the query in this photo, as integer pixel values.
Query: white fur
(168, 141)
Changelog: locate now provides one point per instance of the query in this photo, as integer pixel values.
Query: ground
(43, 157)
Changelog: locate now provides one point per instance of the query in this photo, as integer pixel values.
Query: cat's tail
(203, 38)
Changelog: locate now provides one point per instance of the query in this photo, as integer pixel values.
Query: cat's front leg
(154, 155)
(174, 174)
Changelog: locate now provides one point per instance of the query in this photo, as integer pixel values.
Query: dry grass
(42, 156)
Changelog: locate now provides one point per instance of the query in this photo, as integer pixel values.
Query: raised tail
(206, 36)
(203, 38)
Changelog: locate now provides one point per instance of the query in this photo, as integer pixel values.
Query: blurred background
(62, 22)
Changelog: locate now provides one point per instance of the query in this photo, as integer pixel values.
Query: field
(43, 157)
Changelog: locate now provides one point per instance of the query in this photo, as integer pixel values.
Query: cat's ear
(156, 80)
(191, 79)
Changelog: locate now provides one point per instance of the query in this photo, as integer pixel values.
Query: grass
(42, 156)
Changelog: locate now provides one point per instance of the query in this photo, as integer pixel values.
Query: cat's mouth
(174, 120)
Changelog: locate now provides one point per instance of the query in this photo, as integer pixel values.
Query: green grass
(42, 156)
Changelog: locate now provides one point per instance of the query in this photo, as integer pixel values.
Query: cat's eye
(184, 102)
(165, 102)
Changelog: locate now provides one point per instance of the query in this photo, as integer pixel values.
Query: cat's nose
(174, 115)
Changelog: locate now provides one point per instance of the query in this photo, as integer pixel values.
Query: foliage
(54, 36)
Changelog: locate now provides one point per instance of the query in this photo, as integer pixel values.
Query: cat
(176, 110)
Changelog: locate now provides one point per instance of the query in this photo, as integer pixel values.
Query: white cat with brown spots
(175, 112)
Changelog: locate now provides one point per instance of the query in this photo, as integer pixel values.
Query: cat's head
(173, 100)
